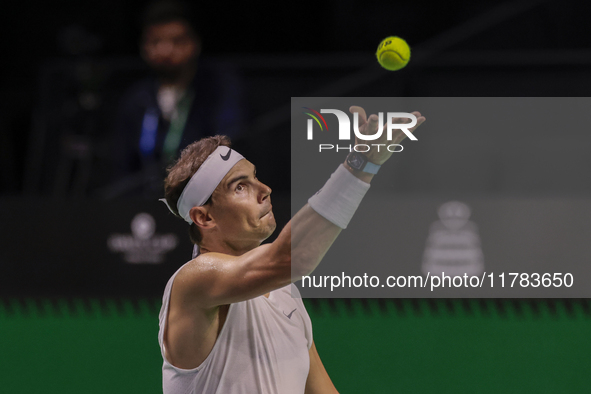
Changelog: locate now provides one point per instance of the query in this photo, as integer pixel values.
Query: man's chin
(271, 229)
(267, 225)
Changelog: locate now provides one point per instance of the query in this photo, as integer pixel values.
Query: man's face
(242, 206)
(170, 47)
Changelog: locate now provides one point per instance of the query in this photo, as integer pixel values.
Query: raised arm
(218, 279)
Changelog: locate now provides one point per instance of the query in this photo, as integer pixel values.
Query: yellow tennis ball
(393, 53)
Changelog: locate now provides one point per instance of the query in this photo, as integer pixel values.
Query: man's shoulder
(205, 259)
(216, 77)
(200, 267)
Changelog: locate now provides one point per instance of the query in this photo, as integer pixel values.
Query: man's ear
(201, 217)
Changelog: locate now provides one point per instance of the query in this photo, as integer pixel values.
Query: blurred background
(98, 97)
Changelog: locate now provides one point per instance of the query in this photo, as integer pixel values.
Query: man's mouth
(268, 212)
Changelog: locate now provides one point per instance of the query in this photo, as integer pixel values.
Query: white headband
(205, 180)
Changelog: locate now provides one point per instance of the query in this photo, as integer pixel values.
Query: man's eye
(240, 187)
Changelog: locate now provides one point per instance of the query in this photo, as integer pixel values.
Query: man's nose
(264, 192)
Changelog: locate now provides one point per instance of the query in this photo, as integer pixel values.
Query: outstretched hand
(378, 154)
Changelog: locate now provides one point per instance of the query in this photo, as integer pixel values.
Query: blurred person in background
(186, 98)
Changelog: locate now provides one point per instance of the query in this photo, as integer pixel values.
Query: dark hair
(180, 173)
(165, 11)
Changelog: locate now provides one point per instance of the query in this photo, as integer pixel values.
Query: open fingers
(370, 125)
(417, 114)
(420, 120)
(361, 112)
(399, 135)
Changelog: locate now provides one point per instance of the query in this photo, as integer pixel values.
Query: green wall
(456, 348)
(402, 346)
(81, 347)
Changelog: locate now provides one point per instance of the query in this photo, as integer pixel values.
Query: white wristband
(338, 200)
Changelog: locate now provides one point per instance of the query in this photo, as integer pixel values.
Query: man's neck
(234, 249)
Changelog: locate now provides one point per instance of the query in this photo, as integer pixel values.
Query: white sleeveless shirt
(262, 348)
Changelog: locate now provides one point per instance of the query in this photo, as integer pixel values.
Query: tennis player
(229, 323)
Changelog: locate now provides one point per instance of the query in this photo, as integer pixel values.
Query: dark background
(89, 324)
(325, 48)
(66, 65)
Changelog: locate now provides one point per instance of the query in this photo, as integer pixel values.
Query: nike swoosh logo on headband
(225, 158)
